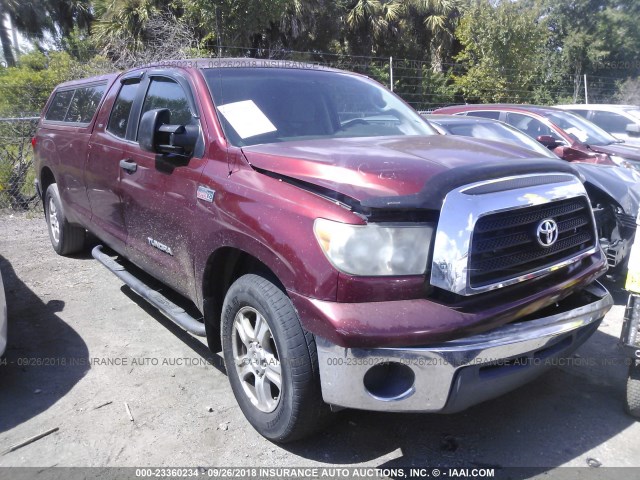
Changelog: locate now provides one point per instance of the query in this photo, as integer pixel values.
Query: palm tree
(440, 18)
(29, 18)
(36, 18)
(370, 20)
(123, 19)
(7, 47)
(69, 14)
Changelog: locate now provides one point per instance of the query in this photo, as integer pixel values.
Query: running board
(169, 309)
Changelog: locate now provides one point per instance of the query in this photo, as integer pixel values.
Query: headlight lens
(374, 249)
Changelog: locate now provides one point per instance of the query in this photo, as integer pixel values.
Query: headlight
(374, 249)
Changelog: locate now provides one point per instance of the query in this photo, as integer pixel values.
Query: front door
(159, 191)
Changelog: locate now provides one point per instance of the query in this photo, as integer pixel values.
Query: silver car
(621, 121)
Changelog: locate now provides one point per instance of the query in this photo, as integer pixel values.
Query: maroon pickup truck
(338, 251)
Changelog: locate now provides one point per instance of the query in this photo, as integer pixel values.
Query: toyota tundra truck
(338, 251)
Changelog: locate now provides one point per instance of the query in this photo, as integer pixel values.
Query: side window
(484, 114)
(531, 126)
(582, 113)
(119, 118)
(165, 93)
(611, 122)
(59, 106)
(84, 104)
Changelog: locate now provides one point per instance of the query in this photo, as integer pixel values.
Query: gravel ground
(81, 345)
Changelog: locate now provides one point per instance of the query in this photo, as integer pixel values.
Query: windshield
(497, 131)
(267, 105)
(580, 129)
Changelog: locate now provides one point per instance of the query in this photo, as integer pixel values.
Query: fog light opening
(389, 381)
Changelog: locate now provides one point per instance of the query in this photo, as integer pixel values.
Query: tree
(123, 22)
(250, 27)
(440, 19)
(629, 92)
(368, 22)
(599, 38)
(502, 51)
(29, 18)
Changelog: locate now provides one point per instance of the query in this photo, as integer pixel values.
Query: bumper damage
(451, 376)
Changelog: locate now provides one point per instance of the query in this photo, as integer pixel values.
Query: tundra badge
(160, 246)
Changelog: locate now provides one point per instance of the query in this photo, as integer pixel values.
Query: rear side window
(484, 114)
(84, 104)
(77, 105)
(582, 113)
(59, 106)
(119, 118)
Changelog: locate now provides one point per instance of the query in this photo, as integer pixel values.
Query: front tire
(260, 330)
(632, 400)
(65, 238)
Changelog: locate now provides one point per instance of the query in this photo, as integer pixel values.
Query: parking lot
(81, 345)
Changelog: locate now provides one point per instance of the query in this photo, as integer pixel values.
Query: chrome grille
(505, 244)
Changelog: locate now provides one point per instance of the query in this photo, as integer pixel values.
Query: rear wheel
(65, 238)
(271, 361)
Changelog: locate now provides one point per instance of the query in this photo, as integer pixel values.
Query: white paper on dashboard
(579, 134)
(246, 118)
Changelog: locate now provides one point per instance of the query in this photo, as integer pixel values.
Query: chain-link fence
(423, 85)
(17, 190)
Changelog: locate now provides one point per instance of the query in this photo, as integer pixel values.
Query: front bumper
(454, 375)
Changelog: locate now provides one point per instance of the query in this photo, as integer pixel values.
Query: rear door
(64, 139)
(159, 191)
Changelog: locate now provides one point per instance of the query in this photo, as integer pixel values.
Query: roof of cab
(206, 63)
(242, 62)
(536, 109)
(108, 78)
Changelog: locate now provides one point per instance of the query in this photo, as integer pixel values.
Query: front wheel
(632, 401)
(271, 361)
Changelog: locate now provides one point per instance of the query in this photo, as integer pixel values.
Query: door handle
(128, 165)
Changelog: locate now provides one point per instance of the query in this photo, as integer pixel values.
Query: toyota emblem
(547, 232)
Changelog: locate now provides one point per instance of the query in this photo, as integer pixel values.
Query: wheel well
(224, 267)
(46, 179)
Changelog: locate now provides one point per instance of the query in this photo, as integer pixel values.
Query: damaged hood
(621, 184)
(377, 170)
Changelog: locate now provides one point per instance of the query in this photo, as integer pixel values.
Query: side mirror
(156, 134)
(633, 129)
(548, 141)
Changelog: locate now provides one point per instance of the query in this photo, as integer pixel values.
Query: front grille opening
(505, 244)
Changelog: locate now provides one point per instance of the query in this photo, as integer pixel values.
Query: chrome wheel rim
(256, 359)
(54, 224)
